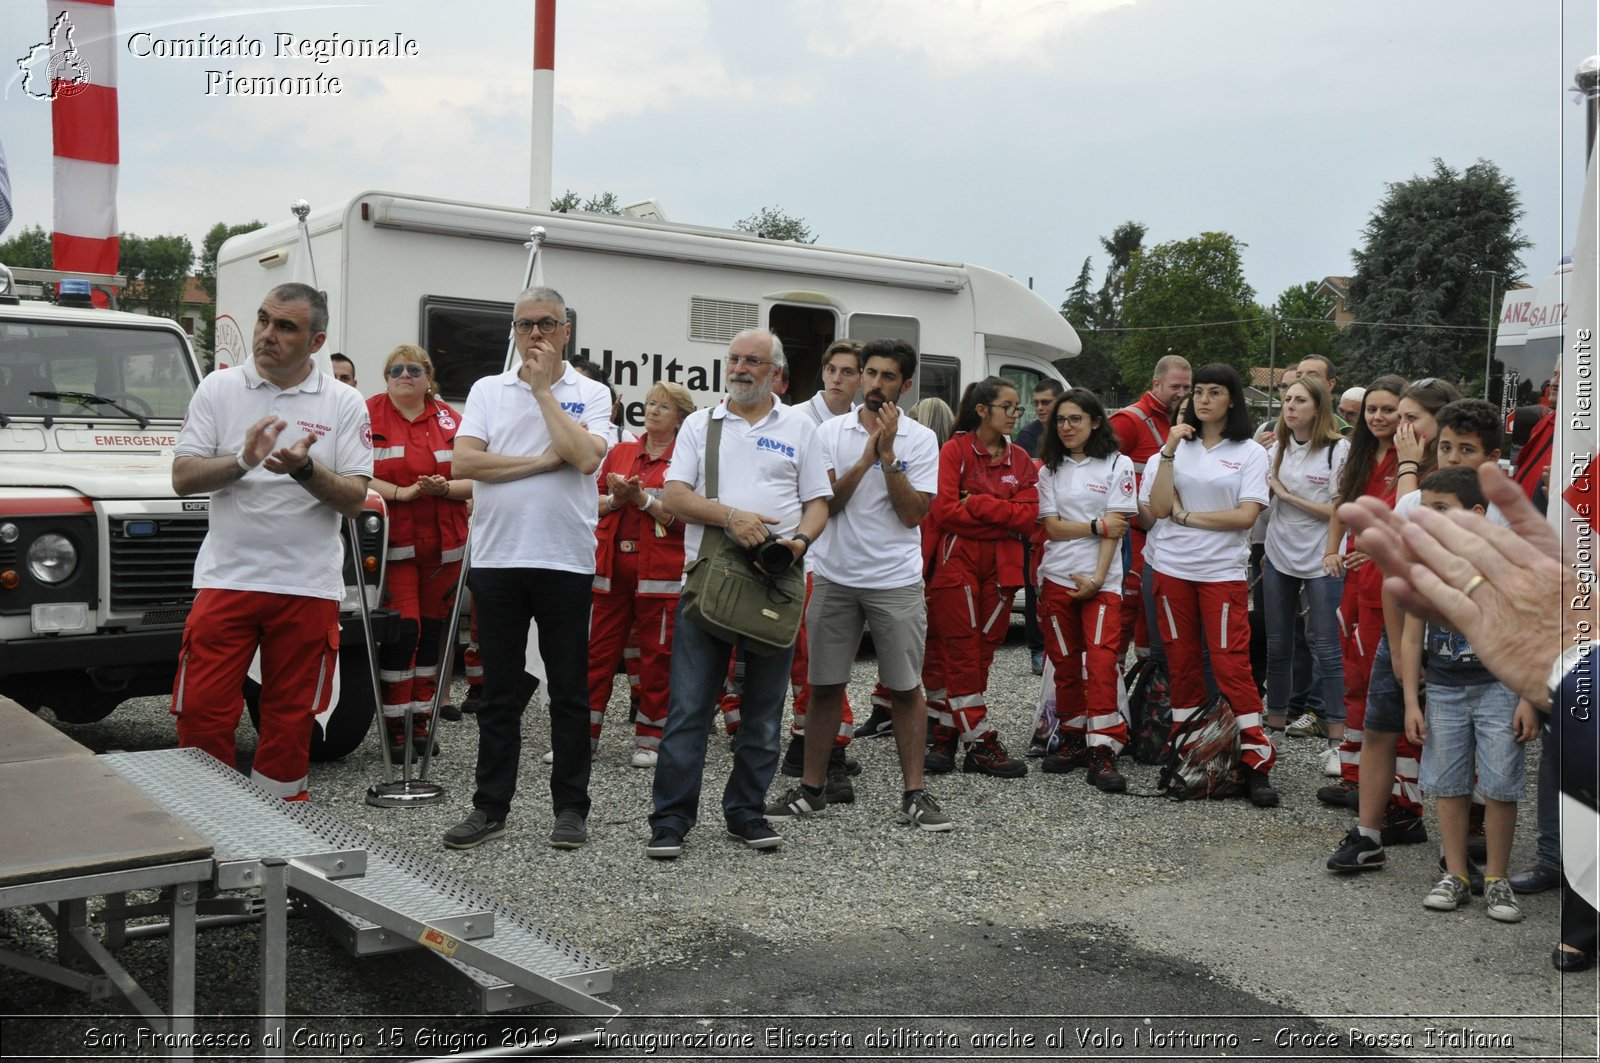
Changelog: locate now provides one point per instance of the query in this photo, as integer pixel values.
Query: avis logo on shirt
(574, 408)
(776, 445)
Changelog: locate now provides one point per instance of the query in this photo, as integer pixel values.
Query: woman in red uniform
(1369, 470)
(412, 436)
(987, 501)
(638, 570)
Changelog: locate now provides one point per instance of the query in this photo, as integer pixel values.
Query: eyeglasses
(1008, 408)
(736, 360)
(545, 325)
(408, 369)
(1072, 420)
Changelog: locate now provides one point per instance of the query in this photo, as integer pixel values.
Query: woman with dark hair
(1086, 496)
(1307, 456)
(1211, 480)
(986, 503)
(1368, 471)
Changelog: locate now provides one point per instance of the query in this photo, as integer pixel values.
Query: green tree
(1432, 250)
(1187, 297)
(1095, 368)
(773, 224)
(570, 202)
(1304, 327)
(211, 246)
(29, 249)
(1125, 241)
(157, 269)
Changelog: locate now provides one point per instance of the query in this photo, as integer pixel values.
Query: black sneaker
(1262, 793)
(1339, 794)
(1071, 755)
(1103, 774)
(476, 829)
(570, 831)
(756, 833)
(665, 844)
(794, 758)
(941, 755)
(1357, 853)
(880, 723)
(923, 812)
(795, 802)
(1401, 829)
(450, 712)
(473, 700)
(987, 756)
(839, 788)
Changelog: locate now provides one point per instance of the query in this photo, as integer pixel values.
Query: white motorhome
(649, 300)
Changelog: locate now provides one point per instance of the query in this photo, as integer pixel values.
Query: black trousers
(506, 600)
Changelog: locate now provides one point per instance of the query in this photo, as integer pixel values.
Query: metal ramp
(374, 897)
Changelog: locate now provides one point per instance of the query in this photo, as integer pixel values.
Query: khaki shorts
(836, 616)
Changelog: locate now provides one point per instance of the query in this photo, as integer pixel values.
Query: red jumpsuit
(638, 576)
(983, 509)
(1141, 431)
(427, 538)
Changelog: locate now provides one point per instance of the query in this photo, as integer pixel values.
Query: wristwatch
(804, 538)
(303, 473)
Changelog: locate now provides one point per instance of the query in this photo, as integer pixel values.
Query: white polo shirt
(816, 408)
(1296, 540)
(1207, 481)
(268, 533)
(541, 521)
(1408, 503)
(865, 544)
(1152, 538)
(771, 467)
(1084, 490)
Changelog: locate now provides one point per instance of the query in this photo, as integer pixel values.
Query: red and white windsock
(544, 104)
(83, 73)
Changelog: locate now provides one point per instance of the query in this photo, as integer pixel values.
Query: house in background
(1337, 289)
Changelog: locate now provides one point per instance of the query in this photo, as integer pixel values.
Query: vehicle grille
(154, 571)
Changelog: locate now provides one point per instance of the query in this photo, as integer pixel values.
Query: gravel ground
(1049, 899)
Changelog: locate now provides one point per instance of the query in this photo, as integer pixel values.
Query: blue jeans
(699, 668)
(1471, 727)
(1322, 636)
(1548, 851)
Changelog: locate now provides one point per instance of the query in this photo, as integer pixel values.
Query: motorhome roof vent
(720, 320)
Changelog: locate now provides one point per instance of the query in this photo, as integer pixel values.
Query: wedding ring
(1473, 584)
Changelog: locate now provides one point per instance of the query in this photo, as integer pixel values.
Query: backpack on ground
(1148, 711)
(1205, 761)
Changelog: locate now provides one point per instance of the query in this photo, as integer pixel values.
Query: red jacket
(660, 548)
(1140, 438)
(1534, 457)
(404, 451)
(1002, 507)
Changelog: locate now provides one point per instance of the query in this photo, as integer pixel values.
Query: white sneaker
(643, 758)
(1307, 725)
(1330, 764)
(549, 756)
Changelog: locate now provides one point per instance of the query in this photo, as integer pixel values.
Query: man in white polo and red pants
(271, 569)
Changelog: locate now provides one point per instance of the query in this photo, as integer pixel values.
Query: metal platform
(375, 897)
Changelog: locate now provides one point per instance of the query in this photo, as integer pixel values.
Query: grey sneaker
(476, 829)
(1501, 901)
(919, 810)
(1307, 725)
(1450, 893)
(571, 831)
(796, 802)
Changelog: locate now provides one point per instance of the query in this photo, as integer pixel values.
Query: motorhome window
(864, 327)
(467, 341)
(806, 332)
(939, 377)
(1025, 380)
(146, 370)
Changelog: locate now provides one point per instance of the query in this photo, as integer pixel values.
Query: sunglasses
(409, 369)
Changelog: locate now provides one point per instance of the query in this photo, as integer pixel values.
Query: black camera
(771, 555)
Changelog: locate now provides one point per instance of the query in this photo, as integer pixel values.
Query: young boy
(1470, 716)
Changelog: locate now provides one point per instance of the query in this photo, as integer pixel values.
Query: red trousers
(625, 626)
(1360, 625)
(799, 688)
(1081, 639)
(1133, 627)
(422, 589)
(299, 642)
(966, 624)
(1216, 612)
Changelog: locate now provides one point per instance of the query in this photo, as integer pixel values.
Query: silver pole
(447, 659)
(366, 632)
(1488, 338)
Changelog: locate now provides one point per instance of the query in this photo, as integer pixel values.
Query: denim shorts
(1386, 705)
(1468, 721)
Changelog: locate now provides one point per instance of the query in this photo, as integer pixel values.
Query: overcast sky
(1008, 133)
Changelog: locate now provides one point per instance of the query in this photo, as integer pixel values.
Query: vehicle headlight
(8, 533)
(372, 524)
(52, 558)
